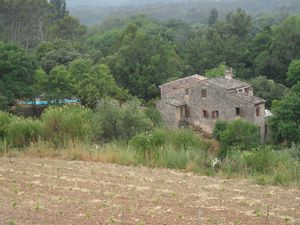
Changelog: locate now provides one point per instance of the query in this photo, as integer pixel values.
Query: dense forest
(196, 11)
(47, 52)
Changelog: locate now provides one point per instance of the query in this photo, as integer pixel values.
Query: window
(181, 112)
(205, 114)
(187, 91)
(204, 93)
(247, 90)
(257, 111)
(184, 112)
(237, 111)
(215, 114)
(187, 112)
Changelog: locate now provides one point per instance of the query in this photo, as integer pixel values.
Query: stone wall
(170, 114)
(218, 99)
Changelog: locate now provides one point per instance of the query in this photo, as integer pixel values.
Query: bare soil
(47, 191)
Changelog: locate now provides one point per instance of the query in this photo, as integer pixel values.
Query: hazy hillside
(93, 3)
(93, 11)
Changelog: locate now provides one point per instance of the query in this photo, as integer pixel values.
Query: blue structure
(44, 102)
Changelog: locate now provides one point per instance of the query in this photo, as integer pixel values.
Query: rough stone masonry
(201, 101)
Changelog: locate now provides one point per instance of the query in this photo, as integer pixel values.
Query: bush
(233, 163)
(21, 132)
(120, 121)
(237, 133)
(219, 128)
(67, 123)
(185, 139)
(149, 143)
(294, 150)
(5, 120)
(173, 159)
(154, 115)
(180, 140)
(264, 164)
(261, 160)
(3, 103)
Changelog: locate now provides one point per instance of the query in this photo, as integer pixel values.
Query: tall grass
(5, 120)
(21, 132)
(107, 153)
(264, 165)
(62, 124)
(177, 149)
(151, 143)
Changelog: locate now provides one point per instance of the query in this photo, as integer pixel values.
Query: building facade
(201, 101)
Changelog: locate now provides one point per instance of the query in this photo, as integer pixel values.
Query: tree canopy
(16, 73)
(286, 120)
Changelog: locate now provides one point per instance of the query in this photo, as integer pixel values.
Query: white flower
(215, 162)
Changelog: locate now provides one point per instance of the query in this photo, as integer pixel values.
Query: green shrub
(239, 133)
(154, 115)
(265, 165)
(120, 121)
(185, 139)
(233, 163)
(5, 120)
(261, 160)
(294, 150)
(3, 102)
(21, 132)
(219, 128)
(170, 158)
(155, 142)
(67, 123)
(149, 143)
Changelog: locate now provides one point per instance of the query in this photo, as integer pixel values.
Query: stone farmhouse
(201, 101)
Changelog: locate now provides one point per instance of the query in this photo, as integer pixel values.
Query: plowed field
(47, 191)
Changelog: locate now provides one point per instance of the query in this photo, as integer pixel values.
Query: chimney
(228, 73)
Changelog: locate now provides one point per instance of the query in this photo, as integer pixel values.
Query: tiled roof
(253, 99)
(174, 102)
(227, 83)
(179, 83)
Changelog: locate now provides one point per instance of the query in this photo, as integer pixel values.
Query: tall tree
(285, 122)
(93, 83)
(17, 71)
(268, 90)
(59, 84)
(215, 46)
(59, 8)
(24, 22)
(294, 72)
(239, 23)
(213, 17)
(145, 61)
(283, 48)
(58, 52)
(67, 28)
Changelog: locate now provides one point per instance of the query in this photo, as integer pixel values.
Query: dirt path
(40, 191)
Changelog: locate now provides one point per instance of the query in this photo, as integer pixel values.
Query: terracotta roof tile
(227, 83)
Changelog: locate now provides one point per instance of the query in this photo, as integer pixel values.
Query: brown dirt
(47, 191)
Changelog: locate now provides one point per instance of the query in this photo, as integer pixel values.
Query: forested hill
(93, 11)
(92, 3)
(46, 52)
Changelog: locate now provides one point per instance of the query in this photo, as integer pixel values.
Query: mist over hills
(93, 3)
(91, 12)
